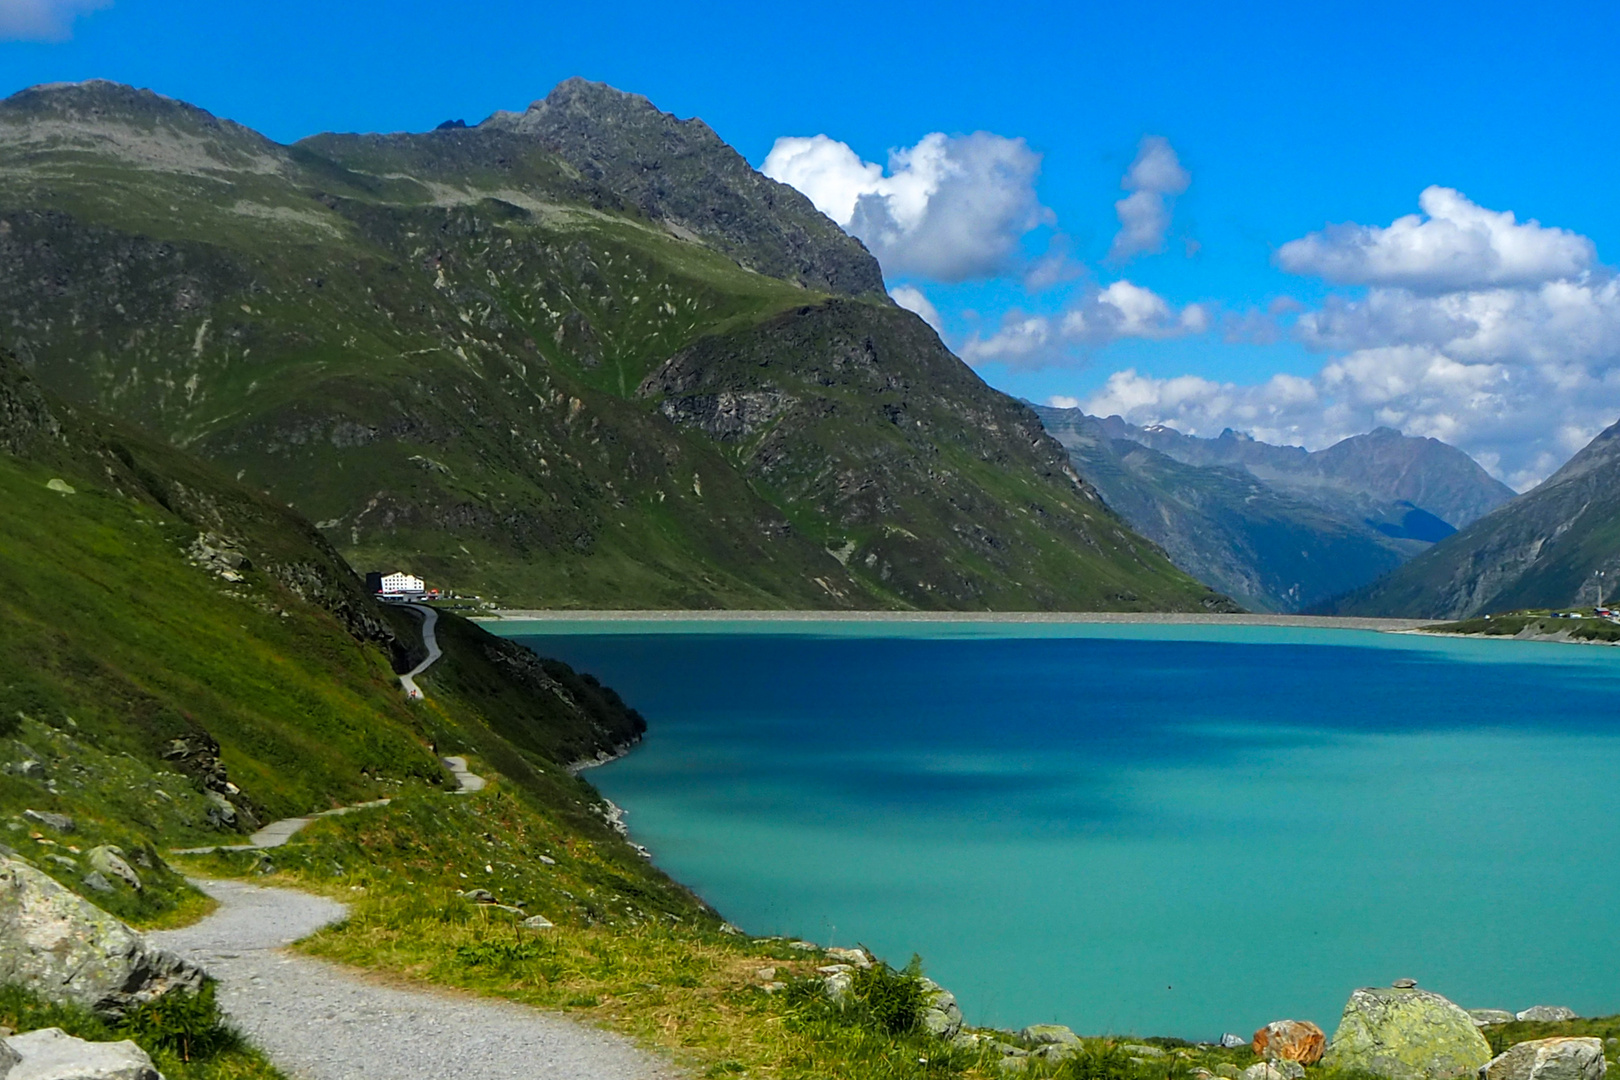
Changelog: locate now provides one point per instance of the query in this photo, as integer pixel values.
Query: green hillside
(581, 356)
(186, 660)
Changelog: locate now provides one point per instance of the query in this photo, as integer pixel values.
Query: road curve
(320, 1021)
(430, 638)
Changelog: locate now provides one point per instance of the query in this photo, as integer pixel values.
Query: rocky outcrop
(1549, 1059)
(1487, 1017)
(1548, 1014)
(1404, 1033)
(942, 1017)
(65, 949)
(52, 1054)
(1290, 1040)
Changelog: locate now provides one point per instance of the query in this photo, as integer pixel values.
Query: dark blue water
(1151, 830)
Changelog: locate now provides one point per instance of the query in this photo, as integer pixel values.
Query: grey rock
(942, 1017)
(1055, 1051)
(838, 986)
(1549, 1013)
(1141, 1050)
(1548, 1059)
(1232, 1041)
(52, 1054)
(1229, 1071)
(766, 974)
(478, 896)
(1050, 1033)
(66, 862)
(96, 882)
(1291, 1070)
(60, 822)
(857, 957)
(1264, 1070)
(538, 922)
(109, 861)
(1486, 1017)
(1404, 984)
(1406, 1034)
(65, 949)
(221, 813)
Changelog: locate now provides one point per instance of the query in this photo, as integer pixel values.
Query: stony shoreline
(1307, 622)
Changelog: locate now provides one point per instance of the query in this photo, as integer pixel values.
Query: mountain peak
(681, 173)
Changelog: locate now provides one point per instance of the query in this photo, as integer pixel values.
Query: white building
(403, 584)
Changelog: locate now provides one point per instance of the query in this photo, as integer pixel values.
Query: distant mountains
(1279, 528)
(581, 355)
(1543, 549)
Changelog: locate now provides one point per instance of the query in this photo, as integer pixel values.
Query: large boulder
(942, 1017)
(1406, 1034)
(1290, 1040)
(1549, 1014)
(52, 1054)
(1050, 1035)
(1549, 1059)
(65, 949)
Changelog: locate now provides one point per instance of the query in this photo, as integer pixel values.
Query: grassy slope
(432, 345)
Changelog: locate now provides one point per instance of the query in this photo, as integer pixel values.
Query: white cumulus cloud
(1453, 244)
(1122, 310)
(43, 20)
(951, 208)
(1153, 180)
(915, 300)
(1498, 336)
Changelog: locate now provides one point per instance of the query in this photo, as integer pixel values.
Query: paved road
(319, 1021)
(430, 638)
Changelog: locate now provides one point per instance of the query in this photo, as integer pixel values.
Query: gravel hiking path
(319, 1021)
(279, 832)
(430, 638)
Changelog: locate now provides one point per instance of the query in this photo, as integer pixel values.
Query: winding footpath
(430, 638)
(320, 1021)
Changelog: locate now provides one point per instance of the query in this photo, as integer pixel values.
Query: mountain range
(577, 356)
(1279, 528)
(1545, 549)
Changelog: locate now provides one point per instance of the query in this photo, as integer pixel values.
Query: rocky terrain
(578, 356)
(1278, 528)
(1545, 549)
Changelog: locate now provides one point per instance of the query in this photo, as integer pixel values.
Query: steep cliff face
(525, 359)
(1544, 549)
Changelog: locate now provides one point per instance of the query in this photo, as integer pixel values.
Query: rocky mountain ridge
(1277, 528)
(1546, 548)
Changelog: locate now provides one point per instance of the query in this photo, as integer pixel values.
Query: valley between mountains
(577, 357)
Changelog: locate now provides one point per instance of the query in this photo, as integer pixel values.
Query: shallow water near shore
(1151, 830)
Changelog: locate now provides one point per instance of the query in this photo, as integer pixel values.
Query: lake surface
(1137, 829)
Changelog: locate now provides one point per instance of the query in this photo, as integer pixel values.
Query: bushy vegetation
(185, 1034)
(1577, 625)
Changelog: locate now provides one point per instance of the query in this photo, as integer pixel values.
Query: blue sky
(1281, 119)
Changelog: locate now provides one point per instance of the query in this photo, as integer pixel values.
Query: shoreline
(1316, 622)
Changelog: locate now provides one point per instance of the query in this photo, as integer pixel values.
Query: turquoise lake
(1151, 830)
